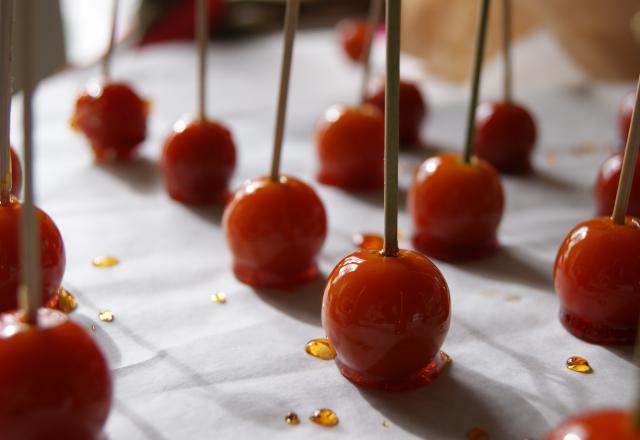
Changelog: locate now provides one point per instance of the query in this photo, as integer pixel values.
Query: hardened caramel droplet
(321, 349)
(105, 261)
(219, 297)
(292, 419)
(579, 365)
(63, 301)
(324, 417)
(106, 316)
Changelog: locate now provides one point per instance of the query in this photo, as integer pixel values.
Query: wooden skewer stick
(202, 23)
(507, 20)
(6, 28)
(481, 37)
(392, 129)
(375, 11)
(290, 26)
(106, 59)
(30, 295)
(628, 165)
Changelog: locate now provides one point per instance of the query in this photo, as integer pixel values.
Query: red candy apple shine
(350, 146)
(275, 231)
(114, 120)
(597, 425)
(70, 398)
(505, 136)
(198, 161)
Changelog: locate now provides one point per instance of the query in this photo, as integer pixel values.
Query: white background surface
(187, 368)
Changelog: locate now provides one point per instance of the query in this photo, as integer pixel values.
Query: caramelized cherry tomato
(54, 380)
(198, 161)
(353, 36)
(606, 188)
(598, 425)
(350, 144)
(16, 174)
(505, 136)
(386, 317)
(51, 252)
(456, 208)
(413, 110)
(624, 117)
(275, 231)
(114, 120)
(598, 282)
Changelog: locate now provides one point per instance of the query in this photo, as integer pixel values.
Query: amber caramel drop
(321, 349)
(219, 297)
(63, 301)
(579, 365)
(106, 316)
(292, 419)
(105, 261)
(324, 417)
(478, 434)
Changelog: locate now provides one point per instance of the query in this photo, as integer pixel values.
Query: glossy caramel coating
(505, 136)
(16, 174)
(597, 425)
(198, 161)
(350, 148)
(54, 380)
(275, 231)
(114, 120)
(456, 208)
(598, 282)
(51, 252)
(353, 36)
(606, 187)
(413, 110)
(386, 317)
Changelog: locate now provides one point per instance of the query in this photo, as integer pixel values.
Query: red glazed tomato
(114, 120)
(51, 252)
(606, 188)
(456, 208)
(598, 425)
(598, 282)
(387, 318)
(198, 161)
(275, 231)
(505, 136)
(71, 404)
(413, 110)
(353, 36)
(350, 145)
(624, 117)
(16, 174)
